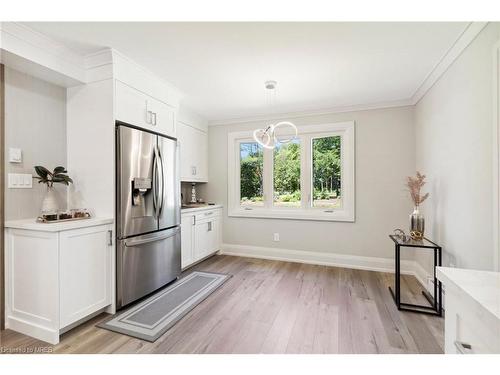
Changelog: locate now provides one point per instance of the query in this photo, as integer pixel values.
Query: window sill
(289, 214)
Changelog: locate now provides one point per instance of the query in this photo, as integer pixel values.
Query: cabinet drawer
(207, 215)
(471, 330)
(472, 338)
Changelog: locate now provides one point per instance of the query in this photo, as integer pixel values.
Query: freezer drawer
(146, 263)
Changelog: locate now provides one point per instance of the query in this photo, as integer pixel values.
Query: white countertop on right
(482, 286)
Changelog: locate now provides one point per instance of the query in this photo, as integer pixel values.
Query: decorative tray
(45, 220)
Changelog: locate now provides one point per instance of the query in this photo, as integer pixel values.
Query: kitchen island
(472, 310)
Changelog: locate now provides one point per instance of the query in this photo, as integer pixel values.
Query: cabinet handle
(208, 213)
(209, 226)
(463, 348)
(194, 220)
(193, 170)
(154, 118)
(149, 117)
(110, 238)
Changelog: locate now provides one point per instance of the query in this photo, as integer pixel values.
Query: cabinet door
(201, 155)
(201, 240)
(137, 108)
(132, 106)
(85, 272)
(162, 117)
(194, 153)
(215, 235)
(32, 281)
(187, 256)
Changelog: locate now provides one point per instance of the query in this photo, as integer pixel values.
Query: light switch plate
(15, 155)
(20, 181)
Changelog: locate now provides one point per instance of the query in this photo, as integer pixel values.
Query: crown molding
(318, 112)
(469, 33)
(30, 51)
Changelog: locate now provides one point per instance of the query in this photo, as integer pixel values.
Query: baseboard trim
(48, 335)
(324, 259)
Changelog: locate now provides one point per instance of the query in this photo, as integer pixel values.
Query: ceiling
(221, 67)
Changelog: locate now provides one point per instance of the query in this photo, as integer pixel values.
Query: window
(251, 174)
(310, 178)
(326, 179)
(286, 174)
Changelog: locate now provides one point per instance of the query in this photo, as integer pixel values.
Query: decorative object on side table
(399, 233)
(57, 176)
(417, 220)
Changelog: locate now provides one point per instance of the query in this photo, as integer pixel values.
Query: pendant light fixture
(267, 137)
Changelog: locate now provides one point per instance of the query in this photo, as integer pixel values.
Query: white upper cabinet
(194, 153)
(136, 108)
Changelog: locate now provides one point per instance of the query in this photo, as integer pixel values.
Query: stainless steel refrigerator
(148, 203)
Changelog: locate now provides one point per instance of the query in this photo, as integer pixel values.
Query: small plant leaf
(42, 172)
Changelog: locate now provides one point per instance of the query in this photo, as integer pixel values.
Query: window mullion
(268, 178)
(305, 179)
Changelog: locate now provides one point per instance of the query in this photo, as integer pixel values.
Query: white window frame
(306, 212)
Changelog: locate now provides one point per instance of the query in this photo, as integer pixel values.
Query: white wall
(385, 154)
(454, 149)
(35, 121)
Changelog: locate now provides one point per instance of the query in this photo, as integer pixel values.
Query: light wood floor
(275, 307)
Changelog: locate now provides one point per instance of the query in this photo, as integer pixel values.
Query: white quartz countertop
(203, 208)
(482, 286)
(31, 224)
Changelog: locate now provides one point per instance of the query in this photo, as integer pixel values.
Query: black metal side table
(436, 300)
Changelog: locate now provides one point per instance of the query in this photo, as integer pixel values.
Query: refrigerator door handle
(161, 168)
(136, 242)
(178, 179)
(155, 182)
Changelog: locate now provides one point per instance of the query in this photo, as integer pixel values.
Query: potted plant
(57, 176)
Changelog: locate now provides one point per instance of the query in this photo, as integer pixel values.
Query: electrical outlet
(276, 237)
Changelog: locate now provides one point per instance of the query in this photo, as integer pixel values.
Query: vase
(417, 223)
(49, 203)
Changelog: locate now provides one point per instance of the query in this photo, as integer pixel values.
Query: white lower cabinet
(469, 329)
(201, 235)
(472, 311)
(55, 279)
